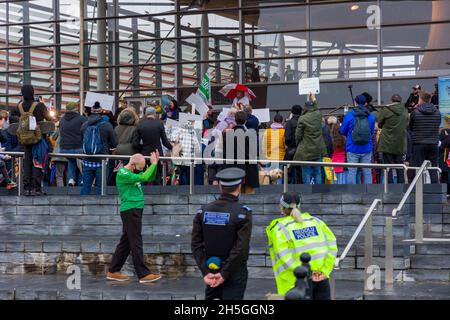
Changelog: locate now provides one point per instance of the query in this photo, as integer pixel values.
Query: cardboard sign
(185, 117)
(263, 115)
(197, 102)
(172, 123)
(106, 101)
(308, 85)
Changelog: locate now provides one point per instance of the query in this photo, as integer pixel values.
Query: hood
(70, 115)
(397, 108)
(427, 108)
(27, 92)
(94, 118)
(126, 118)
(361, 111)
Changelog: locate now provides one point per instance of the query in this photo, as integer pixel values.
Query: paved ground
(94, 287)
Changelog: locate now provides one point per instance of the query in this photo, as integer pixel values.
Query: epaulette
(246, 208)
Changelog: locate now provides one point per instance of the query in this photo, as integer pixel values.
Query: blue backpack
(361, 130)
(92, 141)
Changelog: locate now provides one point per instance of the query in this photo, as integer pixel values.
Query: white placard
(185, 117)
(196, 101)
(106, 101)
(172, 123)
(308, 85)
(32, 124)
(263, 115)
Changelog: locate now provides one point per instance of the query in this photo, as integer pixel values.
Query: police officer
(294, 234)
(221, 239)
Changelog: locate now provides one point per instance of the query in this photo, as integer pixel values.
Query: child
(9, 184)
(338, 152)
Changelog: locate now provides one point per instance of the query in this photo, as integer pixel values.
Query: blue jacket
(252, 123)
(347, 129)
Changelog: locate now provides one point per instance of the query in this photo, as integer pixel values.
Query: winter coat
(424, 124)
(289, 137)
(151, 133)
(107, 134)
(309, 136)
(125, 131)
(347, 129)
(70, 130)
(393, 122)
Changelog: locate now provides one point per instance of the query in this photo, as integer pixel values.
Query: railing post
(285, 178)
(386, 180)
(103, 182)
(368, 250)
(164, 172)
(19, 178)
(332, 286)
(191, 178)
(419, 210)
(389, 252)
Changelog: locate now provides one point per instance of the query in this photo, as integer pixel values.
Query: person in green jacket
(129, 179)
(393, 122)
(310, 142)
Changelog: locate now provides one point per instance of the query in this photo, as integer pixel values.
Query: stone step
(429, 261)
(428, 290)
(53, 287)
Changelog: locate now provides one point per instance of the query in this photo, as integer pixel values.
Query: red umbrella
(231, 89)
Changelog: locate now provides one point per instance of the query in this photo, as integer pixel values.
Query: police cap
(230, 177)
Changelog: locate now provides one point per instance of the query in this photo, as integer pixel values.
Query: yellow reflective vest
(288, 239)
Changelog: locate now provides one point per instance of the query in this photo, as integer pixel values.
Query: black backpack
(361, 129)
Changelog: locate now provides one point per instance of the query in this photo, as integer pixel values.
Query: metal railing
(193, 160)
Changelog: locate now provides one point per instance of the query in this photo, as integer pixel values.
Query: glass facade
(140, 48)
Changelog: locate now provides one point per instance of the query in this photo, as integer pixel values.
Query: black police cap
(230, 177)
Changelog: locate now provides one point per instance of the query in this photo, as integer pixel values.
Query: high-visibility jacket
(288, 239)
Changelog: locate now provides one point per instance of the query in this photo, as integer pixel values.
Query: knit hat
(369, 98)
(72, 106)
(360, 100)
(96, 108)
(150, 111)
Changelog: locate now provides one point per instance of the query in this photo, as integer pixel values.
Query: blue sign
(444, 96)
(216, 218)
(304, 233)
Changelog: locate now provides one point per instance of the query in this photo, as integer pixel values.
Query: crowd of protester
(398, 133)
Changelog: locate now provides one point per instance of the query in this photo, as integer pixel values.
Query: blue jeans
(312, 172)
(72, 169)
(89, 174)
(359, 158)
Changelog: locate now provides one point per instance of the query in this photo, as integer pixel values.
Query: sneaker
(117, 276)
(71, 183)
(150, 278)
(11, 185)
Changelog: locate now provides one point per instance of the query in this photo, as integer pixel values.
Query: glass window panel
(277, 44)
(344, 41)
(411, 11)
(345, 67)
(420, 37)
(275, 19)
(276, 70)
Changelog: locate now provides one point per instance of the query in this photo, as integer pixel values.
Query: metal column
(57, 57)
(26, 42)
(82, 52)
(204, 43)
(135, 57)
(101, 48)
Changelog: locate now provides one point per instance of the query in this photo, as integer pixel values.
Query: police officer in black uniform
(221, 233)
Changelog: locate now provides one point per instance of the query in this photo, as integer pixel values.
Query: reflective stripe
(332, 243)
(310, 246)
(333, 253)
(285, 231)
(282, 253)
(284, 266)
(318, 256)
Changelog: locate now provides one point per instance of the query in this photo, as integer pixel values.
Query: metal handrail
(422, 169)
(357, 232)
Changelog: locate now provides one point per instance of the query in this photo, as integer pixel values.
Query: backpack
(92, 141)
(24, 134)
(361, 130)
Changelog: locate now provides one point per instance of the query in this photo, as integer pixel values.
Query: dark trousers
(131, 241)
(295, 175)
(321, 290)
(422, 152)
(232, 289)
(32, 176)
(389, 158)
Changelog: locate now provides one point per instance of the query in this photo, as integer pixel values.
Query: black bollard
(305, 258)
(299, 292)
